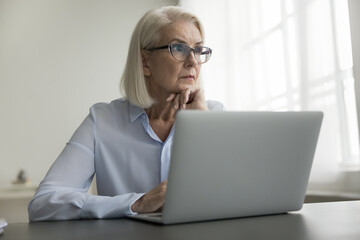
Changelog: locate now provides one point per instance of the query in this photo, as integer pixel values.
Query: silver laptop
(238, 164)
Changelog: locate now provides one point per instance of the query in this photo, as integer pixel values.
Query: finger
(194, 94)
(164, 185)
(171, 97)
(182, 99)
(159, 209)
(197, 100)
(186, 97)
(151, 201)
(160, 189)
(156, 200)
(176, 101)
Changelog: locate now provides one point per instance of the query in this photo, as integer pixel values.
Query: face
(164, 73)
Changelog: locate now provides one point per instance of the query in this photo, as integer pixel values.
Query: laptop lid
(238, 164)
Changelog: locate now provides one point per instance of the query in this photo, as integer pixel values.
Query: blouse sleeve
(62, 195)
(215, 105)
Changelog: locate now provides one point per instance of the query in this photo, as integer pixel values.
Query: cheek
(198, 68)
(173, 70)
(167, 74)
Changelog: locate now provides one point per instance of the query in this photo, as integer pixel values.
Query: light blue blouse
(116, 142)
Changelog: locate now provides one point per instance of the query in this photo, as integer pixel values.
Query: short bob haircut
(147, 34)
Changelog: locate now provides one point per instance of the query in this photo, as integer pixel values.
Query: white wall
(57, 58)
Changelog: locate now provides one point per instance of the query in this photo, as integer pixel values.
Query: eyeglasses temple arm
(157, 48)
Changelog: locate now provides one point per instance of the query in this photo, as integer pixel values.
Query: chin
(187, 85)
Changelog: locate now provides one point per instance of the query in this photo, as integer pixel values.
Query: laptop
(238, 164)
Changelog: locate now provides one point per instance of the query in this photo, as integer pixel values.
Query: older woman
(127, 143)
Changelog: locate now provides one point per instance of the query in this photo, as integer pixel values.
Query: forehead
(181, 30)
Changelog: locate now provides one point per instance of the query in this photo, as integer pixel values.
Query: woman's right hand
(190, 98)
(152, 201)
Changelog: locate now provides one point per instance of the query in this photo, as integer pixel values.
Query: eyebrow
(182, 41)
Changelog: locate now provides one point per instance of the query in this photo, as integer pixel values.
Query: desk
(328, 221)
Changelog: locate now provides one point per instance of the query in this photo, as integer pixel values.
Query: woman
(127, 143)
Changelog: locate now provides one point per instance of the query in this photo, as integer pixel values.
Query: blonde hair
(146, 34)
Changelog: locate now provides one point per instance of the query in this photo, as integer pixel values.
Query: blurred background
(59, 57)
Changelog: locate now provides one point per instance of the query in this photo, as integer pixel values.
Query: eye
(178, 48)
(199, 50)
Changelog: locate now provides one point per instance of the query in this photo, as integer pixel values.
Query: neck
(162, 110)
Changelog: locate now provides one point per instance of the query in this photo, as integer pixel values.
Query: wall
(57, 58)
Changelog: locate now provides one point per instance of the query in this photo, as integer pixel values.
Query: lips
(189, 77)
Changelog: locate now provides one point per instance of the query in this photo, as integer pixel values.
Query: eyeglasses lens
(181, 52)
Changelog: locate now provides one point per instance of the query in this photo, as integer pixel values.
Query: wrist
(136, 206)
(203, 108)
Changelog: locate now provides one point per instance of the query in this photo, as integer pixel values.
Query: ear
(146, 68)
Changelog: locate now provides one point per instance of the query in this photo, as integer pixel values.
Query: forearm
(70, 204)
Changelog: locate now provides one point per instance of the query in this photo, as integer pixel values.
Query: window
(286, 55)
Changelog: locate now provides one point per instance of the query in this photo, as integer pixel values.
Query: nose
(191, 60)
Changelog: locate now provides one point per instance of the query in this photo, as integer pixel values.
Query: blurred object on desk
(3, 224)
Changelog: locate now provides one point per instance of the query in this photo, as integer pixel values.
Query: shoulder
(118, 107)
(120, 102)
(215, 105)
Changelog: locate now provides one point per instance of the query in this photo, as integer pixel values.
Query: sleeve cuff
(130, 212)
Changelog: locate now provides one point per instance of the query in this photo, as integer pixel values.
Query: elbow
(35, 211)
(32, 214)
(53, 206)
(39, 209)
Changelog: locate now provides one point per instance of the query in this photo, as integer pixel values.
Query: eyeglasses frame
(169, 46)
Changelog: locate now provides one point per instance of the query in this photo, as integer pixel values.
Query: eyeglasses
(181, 52)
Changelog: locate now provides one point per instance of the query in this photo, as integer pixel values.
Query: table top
(335, 220)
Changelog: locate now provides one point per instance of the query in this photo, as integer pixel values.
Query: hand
(190, 98)
(151, 201)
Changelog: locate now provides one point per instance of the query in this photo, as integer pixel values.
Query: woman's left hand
(190, 98)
